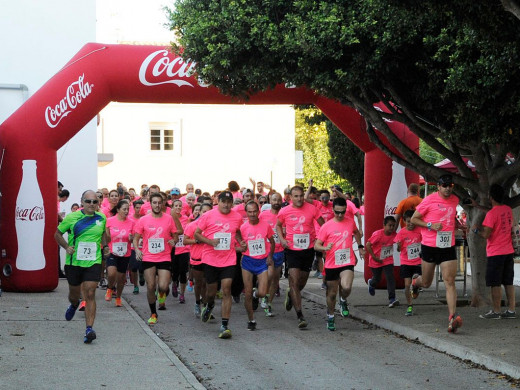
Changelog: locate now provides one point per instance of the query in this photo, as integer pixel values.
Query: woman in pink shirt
(120, 231)
(113, 198)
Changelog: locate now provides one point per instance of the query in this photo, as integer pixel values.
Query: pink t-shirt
(382, 246)
(180, 248)
(256, 238)
(120, 232)
(214, 224)
(134, 219)
(500, 220)
(340, 235)
(106, 211)
(195, 249)
(410, 246)
(241, 209)
(326, 211)
(352, 210)
(156, 233)
(146, 208)
(271, 218)
(436, 209)
(299, 223)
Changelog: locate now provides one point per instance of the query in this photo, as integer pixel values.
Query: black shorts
(500, 270)
(121, 263)
(300, 259)
(134, 264)
(407, 271)
(435, 255)
(216, 274)
(332, 274)
(198, 267)
(77, 275)
(167, 265)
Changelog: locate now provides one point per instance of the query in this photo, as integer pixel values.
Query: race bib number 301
(443, 239)
(86, 251)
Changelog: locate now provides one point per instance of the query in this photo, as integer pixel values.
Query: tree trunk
(480, 294)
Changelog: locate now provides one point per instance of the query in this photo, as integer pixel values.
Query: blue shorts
(255, 266)
(278, 259)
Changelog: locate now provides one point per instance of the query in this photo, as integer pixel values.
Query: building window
(161, 139)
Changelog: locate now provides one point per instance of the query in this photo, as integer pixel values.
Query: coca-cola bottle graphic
(29, 221)
(397, 190)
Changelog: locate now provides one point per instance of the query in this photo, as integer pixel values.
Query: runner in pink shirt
(496, 228)
(437, 216)
(135, 266)
(218, 229)
(120, 230)
(180, 257)
(335, 238)
(160, 232)
(274, 270)
(380, 250)
(298, 242)
(256, 257)
(408, 242)
(196, 266)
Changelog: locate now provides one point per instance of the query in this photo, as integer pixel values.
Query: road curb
(186, 373)
(491, 363)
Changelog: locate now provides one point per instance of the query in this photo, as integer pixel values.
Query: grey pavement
(40, 349)
(494, 344)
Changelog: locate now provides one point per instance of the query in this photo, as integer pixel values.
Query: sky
(125, 21)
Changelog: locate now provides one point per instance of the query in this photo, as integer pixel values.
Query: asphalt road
(278, 355)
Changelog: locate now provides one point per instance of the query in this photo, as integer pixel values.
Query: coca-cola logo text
(390, 210)
(34, 214)
(173, 70)
(76, 93)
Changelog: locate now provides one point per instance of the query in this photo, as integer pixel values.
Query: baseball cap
(225, 195)
(445, 179)
(247, 190)
(175, 191)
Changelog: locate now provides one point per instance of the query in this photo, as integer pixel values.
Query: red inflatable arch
(97, 75)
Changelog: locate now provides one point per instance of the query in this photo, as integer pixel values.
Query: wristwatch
(361, 246)
(429, 225)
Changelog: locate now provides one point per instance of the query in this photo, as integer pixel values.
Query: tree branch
(417, 127)
(511, 6)
(414, 161)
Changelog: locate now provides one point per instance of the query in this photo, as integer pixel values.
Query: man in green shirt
(86, 233)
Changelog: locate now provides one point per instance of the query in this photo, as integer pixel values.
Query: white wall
(213, 145)
(38, 38)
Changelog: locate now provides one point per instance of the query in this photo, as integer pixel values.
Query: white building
(40, 37)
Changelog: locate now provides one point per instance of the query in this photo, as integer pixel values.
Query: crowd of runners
(240, 241)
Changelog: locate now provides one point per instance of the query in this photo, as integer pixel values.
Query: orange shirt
(406, 204)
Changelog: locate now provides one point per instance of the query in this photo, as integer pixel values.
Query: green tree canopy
(448, 70)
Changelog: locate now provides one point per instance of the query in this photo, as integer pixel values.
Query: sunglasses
(262, 202)
(91, 201)
(445, 185)
(339, 212)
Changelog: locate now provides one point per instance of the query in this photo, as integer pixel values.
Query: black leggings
(180, 267)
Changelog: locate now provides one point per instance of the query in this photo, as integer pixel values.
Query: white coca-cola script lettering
(76, 93)
(176, 70)
(33, 214)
